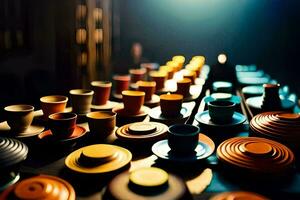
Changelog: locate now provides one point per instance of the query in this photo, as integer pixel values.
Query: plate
(204, 120)
(153, 102)
(203, 150)
(222, 96)
(98, 159)
(254, 80)
(32, 130)
(256, 103)
(142, 131)
(12, 179)
(238, 195)
(106, 107)
(253, 90)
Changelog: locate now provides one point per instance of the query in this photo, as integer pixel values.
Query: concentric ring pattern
(238, 195)
(256, 154)
(281, 126)
(11, 152)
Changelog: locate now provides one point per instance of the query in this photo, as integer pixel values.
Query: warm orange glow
(97, 14)
(81, 36)
(81, 12)
(99, 35)
(222, 58)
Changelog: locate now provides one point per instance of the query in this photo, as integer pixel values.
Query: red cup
(121, 83)
(102, 91)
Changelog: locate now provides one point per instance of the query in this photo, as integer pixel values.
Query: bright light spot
(222, 58)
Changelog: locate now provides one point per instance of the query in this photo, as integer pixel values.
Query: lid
(98, 158)
(12, 152)
(280, 126)
(41, 187)
(256, 154)
(142, 131)
(238, 195)
(145, 183)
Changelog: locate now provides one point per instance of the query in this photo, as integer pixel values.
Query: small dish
(98, 159)
(106, 107)
(222, 96)
(238, 195)
(256, 103)
(205, 121)
(203, 150)
(31, 131)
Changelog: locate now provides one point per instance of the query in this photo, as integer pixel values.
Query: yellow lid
(149, 177)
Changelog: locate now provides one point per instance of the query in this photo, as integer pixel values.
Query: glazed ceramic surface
(222, 86)
(133, 101)
(148, 87)
(242, 195)
(101, 124)
(31, 131)
(81, 100)
(221, 112)
(121, 83)
(53, 104)
(171, 104)
(102, 92)
(19, 117)
(62, 124)
(223, 96)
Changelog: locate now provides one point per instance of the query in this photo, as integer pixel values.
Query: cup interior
(171, 97)
(101, 115)
(62, 116)
(146, 83)
(81, 92)
(184, 130)
(101, 83)
(219, 103)
(54, 99)
(133, 93)
(19, 108)
(158, 74)
(121, 78)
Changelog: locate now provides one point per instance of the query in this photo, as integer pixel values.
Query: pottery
(175, 65)
(123, 117)
(101, 124)
(183, 87)
(179, 59)
(133, 101)
(19, 117)
(183, 138)
(190, 75)
(254, 80)
(221, 111)
(222, 86)
(137, 75)
(169, 69)
(106, 107)
(98, 159)
(102, 92)
(193, 68)
(223, 97)
(258, 155)
(148, 87)
(199, 59)
(170, 104)
(81, 100)
(53, 104)
(238, 195)
(271, 100)
(147, 182)
(62, 125)
(159, 77)
(40, 187)
(121, 83)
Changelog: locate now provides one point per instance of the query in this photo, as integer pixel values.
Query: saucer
(121, 112)
(142, 131)
(253, 90)
(204, 120)
(254, 80)
(156, 115)
(12, 180)
(39, 115)
(153, 102)
(106, 107)
(204, 149)
(31, 131)
(77, 133)
(117, 97)
(256, 103)
(98, 159)
(162, 91)
(222, 96)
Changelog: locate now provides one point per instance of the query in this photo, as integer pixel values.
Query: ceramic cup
(53, 104)
(102, 91)
(170, 104)
(148, 87)
(81, 100)
(19, 117)
(121, 83)
(190, 74)
(159, 77)
(221, 111)
(193, 68)
(133, 101)
(137, 75)
(183, 138)
(168, 69)
(101, 124)
(183, 87)
(62, 125)
(179, 59)
(175, 65)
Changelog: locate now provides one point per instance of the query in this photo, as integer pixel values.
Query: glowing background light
(222, 58)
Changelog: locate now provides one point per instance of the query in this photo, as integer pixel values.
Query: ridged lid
(280, 126)
(238, 195)
(41, 187)
(11, 152)
(256, 154)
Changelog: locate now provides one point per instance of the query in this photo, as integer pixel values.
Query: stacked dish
(238, 195)
(258, 155)
(40, 187)
(281, 126)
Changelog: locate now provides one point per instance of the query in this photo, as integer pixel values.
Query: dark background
(261, 32)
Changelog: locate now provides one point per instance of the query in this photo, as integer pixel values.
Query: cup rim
(83, 92)
(72, 116)
(133, 93)
(140, 71)
(197, 130)
(146, 84)
(176, 97)
(184, 80)
(101, 83)
(10, 108)
(125, 77)
(64, 99)
(231, 104)
(158, 74)
(111, 115)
